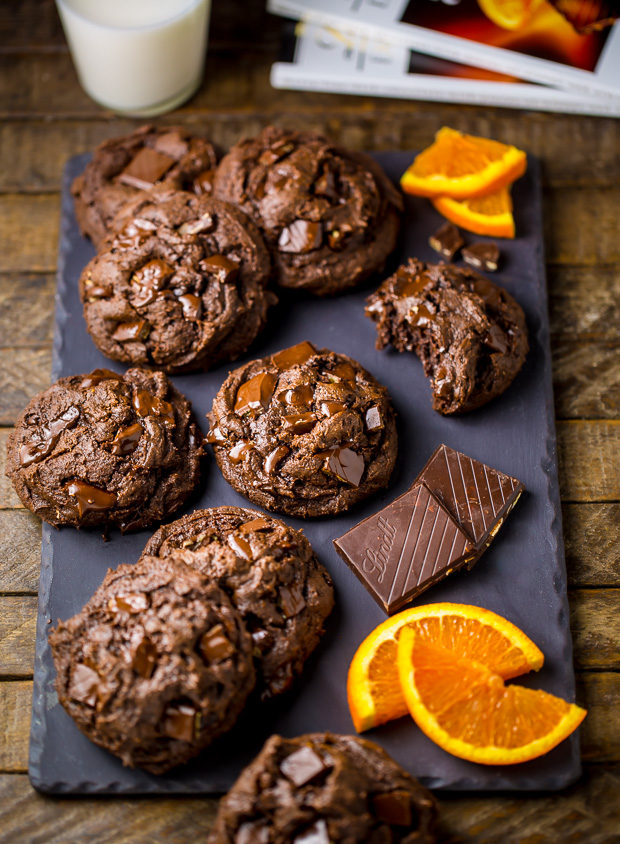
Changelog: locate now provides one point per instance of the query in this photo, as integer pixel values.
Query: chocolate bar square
(403, 549)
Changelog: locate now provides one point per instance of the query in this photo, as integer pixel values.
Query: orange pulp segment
(510, 14)
(463, 166)
(465, 707)
(373, 688)
(490, 215)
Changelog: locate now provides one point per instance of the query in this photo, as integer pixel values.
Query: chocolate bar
(444, 522)
(482, 256)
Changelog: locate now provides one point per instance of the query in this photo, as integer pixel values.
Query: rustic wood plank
(588, 460)
(20, 551)
(8, 496)
(600, 731)
(18, 619)
(26, 309)
(15, 703)
(23, 373)
(586, 378)
(583, 302)
(29, 226)
(592, 542)
(595, 625)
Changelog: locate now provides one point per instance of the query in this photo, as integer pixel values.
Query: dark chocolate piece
(447, 240)
(302, 766)
(482, 256)
(405, 548)
(145, 169)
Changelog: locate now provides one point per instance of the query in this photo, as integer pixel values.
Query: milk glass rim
(67, 4)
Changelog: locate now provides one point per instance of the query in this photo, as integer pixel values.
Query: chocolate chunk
(294, 355)
(302, 766)
(255, 524)
(180, 722)
(447, 240)
(255, 395)
(239, 451)
(405, 548)
(135, 233)
(202, 185)
(253, 833)
(35, 451)
(204, 223)
(149, 280)
(132, 604)
(344, 370)
(331, 408)
(477, 496)
(292, 600)
(127, 439)
(84, 684)
(145, 169)
(192, 306)
(301, 236)
(298, 396)
(215, 646)
(146, 404)
(127, 331)
(97, 291)
(393, 807)
(344, 464)
(299, 423)
(90, 498)
(483, 256)
(240, 546)
(315, 834)
(372, 419)
(221, 267)
(274, 457)
(215, 435)
(144, 659)
(97, 376)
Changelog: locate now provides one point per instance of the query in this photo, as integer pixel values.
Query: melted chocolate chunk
(447, 241)
(128, 331)
(372, 420)
(299, 423)
(215, 646)
(345, 371)
(144, 658)
(84, 684)
(252, 833)
(97, 376)
(36, 450)
(135, 233)
(146, 404)
(294, 355)
(331, 408)
(180, 722)
(393, 807)
(202, 185)
(97, 291)
(240, 546)
(301, 236)
(215, 435)
(300, 396)
(132, 603)
(127, 439)
(239, 451)
(90, 498)
(292, 600)
(274, 457)
(203, 224)
(221, 267)
(255, 524)
(344, 464)
(302, 766)
(255, 395)
(150, 280)
(192, 306)
(482, 256)
(145, 169)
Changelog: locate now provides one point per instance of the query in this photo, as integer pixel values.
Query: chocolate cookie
(156, 665)
(325, 789)
(330, 216)
(304, 432)
(469, 333)
(271, 575)
(121, 167)
(106, 449)
(180, 286)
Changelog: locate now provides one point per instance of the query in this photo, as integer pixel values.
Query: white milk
(141, 57)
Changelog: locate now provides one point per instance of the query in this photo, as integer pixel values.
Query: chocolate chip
(302, 766)
(145, 169)
(447, 240)
(84, 684)
(215, 646)
(393, 807)
(36, 451)
(298, 396)
(97, 291)
(301, 236)
(127, 439)
(135, 233)
(253, 833)
(215, 435)
(150, 279)
(255, 395)
(294, 355)
(90, 498)
(483, 256)
(331, 408)
(221, 267)
(345, 371)
(239, 451)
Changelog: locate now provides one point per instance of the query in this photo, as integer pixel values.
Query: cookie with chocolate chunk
(469, 333)
(323, 788)
(272, 576)
(156, 665)
(305, 432)
(330, 216)
(122, 167)
(180, 285)
(106, 449)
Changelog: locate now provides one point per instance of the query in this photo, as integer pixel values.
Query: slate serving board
(522, 576)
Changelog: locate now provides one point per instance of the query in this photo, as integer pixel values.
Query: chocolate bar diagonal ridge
(471, 517)
(454, 539)
(501, 489)
(427, 550)
(446, 524)
(479, 496)
(404, 548)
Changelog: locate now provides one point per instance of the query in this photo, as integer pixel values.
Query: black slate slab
(522, 576)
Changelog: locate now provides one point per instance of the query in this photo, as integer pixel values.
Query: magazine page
(322, 58)
(540, 44)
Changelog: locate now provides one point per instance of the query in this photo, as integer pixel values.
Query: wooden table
(46, 117)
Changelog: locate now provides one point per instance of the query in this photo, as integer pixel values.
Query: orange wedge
(510, 14)
(464, 706)
(491, 215)
(463, 166)
(373, 687)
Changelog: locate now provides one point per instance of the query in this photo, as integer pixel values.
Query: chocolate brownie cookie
(304, 432)
(325, 789)
(330, 216)
(122, 167)
(180, 286)
(271, 575)
(156, 665)
(469, 333)
(106, 449)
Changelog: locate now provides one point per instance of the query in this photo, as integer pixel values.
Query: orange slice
(373, 688)
(465, 707)
(510, 14)
(463, 166)
(490, 215)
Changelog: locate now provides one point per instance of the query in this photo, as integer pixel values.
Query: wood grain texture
(8, 497)
(583, 302)
(18, 620)
(600, 731)
(592, 543)
(595, 625)
(29, 226)
(20, 551)
(588, 460)
(24, 372)
(15, 702)
(26, 310)
(586, 378)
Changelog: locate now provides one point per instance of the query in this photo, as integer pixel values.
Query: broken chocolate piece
(405, 548)
(302, 766)
(294, 355)
(482, 256)
(144, 659)
(255, 395)
(180, 722)
(447, 240)
(345, 464)
(145, 169)
(221, 267)
(292, 600)
(215, 646)
(90, 498)
(133, 603)
(301, 236)
(393, 807)
(127, 439)
(127, 331)
(84, 684)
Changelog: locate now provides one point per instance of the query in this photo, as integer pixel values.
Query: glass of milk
(137, 57)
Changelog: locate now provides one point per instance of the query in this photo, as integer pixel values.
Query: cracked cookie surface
(271, 575)
(305, 432)
(330, 216)
(469, 333)
(106, 449)
(156, 665)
